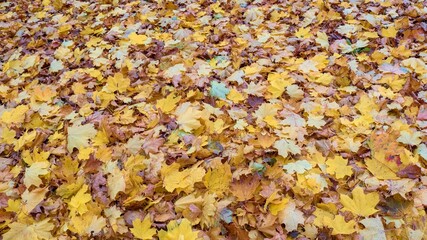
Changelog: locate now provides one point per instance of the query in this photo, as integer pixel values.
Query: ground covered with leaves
(213, 119)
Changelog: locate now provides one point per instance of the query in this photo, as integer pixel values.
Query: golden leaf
(361, 204)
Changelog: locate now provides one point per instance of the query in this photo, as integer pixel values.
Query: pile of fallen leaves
(213, 119)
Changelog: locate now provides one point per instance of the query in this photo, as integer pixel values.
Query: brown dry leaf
(244, 188)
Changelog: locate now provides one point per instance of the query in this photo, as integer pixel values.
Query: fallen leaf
(78, 136)
(374, 229)
(142, 229)
(177, 230)
(219, 90)
(244, 188)
(291, 217)
(361, 204)
(340, 226)
(38, 230)
(286, 146)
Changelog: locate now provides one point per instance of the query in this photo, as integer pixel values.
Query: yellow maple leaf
(338, 166)
(266, 109)
(322, 39)
(78, 136)
(321, 61)
(78, 88)
(265, 140)
(188, 117)
(218, 179)
(24, 139)
(418, 65)
(181, 231)
(142, 229)
(8, 135)
(272, 121)
(33, 198)
(389, 32)
(103, 98)
(15, 116)
(101, 139)
(393, 81)
(370, 34)
(208, 211)
(235, 96)
(13, 205)
(361, 204)
(184, 202)
(340, 226)
(252, 69)
(78, 201)
(168, 104)
(324, 213)
(125, 116)
(366, 104)
(44, 93)
(303, 33)
(57, 4)
(84, 153)
(275, 15)
(137, 38)
(25, 231)
(69, 189)
(29, 61)
(115, 181)
(379, 169)
(33, 172)
(35, 156)
(278, 83)
(118, 82)
(401, 52)
(173, 179)
(321, 78)
(87, 224)
(277, 206)
(198, 36)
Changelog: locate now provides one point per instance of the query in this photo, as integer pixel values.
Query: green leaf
(226, 215)
(410, 138)
(218, 90)
(258, 167)
(422, 151)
